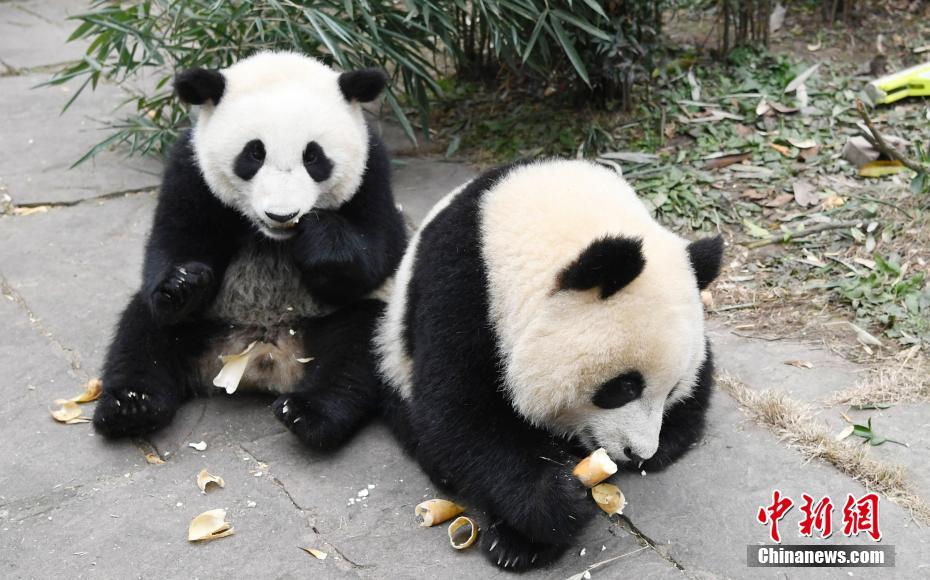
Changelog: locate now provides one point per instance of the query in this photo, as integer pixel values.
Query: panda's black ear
(199, 85)
(609, 263)
(362, 86)
(706, 256)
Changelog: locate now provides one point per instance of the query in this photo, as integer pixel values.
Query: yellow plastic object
(912, 82)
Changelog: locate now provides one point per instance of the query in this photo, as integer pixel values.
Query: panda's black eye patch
(250, 160)
(619, 391)
(316, 162)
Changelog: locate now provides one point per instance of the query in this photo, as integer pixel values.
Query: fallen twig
(879, 143)
(792, 236)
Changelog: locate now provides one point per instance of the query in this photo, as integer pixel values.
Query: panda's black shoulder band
(199, 85)
(610, 263)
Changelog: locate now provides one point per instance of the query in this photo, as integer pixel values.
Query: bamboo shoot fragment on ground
(436, 511)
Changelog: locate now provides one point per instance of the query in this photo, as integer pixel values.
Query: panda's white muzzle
(279, 199)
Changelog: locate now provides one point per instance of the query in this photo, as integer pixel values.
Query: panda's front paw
(299, 414)
(128, 411)
(180, 292)
(510, 550)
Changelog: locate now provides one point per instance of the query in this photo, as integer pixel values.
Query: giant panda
(275, 225)
(539, 313)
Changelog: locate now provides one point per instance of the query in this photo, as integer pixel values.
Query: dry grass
(794, 423)
(900, 383)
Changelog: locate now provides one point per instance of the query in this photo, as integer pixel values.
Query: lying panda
(540, 313)
(274, 223)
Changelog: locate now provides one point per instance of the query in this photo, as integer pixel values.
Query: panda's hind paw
(511, 551)
(299, 414)
(124, 412)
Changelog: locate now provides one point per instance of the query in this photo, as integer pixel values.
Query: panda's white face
(282, 140)
(603, 369)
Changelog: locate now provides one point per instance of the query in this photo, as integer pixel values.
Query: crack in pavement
(29, 208)
(274, 479)
(645, 540)
(69, 354)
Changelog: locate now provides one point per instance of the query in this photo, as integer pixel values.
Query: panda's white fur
(559, 346)
(286, 100)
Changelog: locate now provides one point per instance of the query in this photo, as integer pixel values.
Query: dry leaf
(814, 47)
(609, 498)
(783, 109)
(153, 459)
(832, 202)
(234, 366)
(722, 161)
(801, 364)
(804, 193)
(205, 478)
(754, 194)
(462, 532)
(779, 201)
(201, 446)
(209, 525)
(809, 153)
(781, 149)
(436, 511)
(92, 391)
(315, 553)
(801, 78)
(802, 143)
(65, 411)
(846, 432)
(881, 168)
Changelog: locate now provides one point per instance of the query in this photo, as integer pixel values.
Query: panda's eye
(257, 150)
(619, 391)
(316, 162)
(250, 160)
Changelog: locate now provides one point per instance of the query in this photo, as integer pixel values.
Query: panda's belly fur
(261, 299)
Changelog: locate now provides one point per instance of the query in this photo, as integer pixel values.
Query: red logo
(859, 515)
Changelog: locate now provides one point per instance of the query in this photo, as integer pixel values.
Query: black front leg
(147, 373)
(181, 291)
(338, 263)
(521, 475)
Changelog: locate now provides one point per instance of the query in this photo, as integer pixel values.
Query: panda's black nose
(281, 218)
(636, 459)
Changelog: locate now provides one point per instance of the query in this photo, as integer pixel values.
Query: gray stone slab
(42, 461)
(704, 507)
(380, 530)
(37, 146)
(420, 182)
(761, 363)
(33, 32)
(76, 267)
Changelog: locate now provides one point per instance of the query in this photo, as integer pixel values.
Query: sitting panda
(539, 313)
(275, 225)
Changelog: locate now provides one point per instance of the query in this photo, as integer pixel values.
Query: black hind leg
(339, 392)
(144, 373)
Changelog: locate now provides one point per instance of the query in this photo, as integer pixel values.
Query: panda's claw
(512, 551)
(122, 412)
